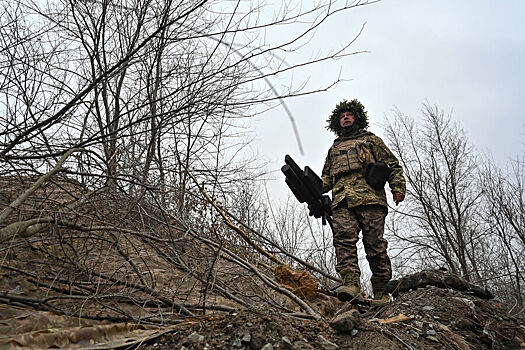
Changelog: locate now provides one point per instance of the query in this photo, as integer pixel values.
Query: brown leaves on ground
(299, 282)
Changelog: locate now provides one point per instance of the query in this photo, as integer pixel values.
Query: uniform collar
(353, 134)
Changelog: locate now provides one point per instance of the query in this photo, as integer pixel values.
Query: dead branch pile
(105, 255)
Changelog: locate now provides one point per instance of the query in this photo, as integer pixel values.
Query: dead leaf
(301, 283)
(395, 319)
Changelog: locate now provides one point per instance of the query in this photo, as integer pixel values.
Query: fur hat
(356, 108)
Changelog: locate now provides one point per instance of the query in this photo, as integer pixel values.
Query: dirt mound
(137, 272)
(436, 318)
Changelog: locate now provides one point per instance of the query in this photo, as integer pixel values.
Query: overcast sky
(468, 57)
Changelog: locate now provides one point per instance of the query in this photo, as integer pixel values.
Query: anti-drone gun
(308, 188)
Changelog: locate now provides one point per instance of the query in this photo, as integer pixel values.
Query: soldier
(356, 169)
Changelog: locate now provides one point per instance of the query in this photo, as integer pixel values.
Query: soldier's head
(347, 117)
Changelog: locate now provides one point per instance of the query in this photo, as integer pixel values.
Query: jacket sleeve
(381, 152)
(325, 174)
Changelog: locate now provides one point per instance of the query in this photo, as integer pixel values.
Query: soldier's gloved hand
(398, 197)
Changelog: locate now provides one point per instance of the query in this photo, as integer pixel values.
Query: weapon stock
(307, 187)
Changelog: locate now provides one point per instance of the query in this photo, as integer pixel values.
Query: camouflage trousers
(348, 222)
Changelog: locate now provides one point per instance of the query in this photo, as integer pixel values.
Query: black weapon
(308, 188)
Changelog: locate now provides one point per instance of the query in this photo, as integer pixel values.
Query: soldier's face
(346, 119)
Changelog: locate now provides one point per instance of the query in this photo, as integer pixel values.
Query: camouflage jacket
(346, 178)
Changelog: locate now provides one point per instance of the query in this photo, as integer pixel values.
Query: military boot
(351, 288)
(381, 297)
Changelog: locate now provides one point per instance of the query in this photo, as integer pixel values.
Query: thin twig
(408, 346)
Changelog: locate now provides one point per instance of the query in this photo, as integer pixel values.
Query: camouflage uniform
(347, 224)
(357, 206)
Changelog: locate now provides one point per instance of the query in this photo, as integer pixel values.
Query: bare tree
(147, 86)
(151, 97)
(504, 195)
(443, 203)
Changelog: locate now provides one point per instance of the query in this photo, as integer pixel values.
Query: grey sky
(465, 56)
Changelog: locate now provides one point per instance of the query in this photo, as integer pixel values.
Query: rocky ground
(426, 318)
